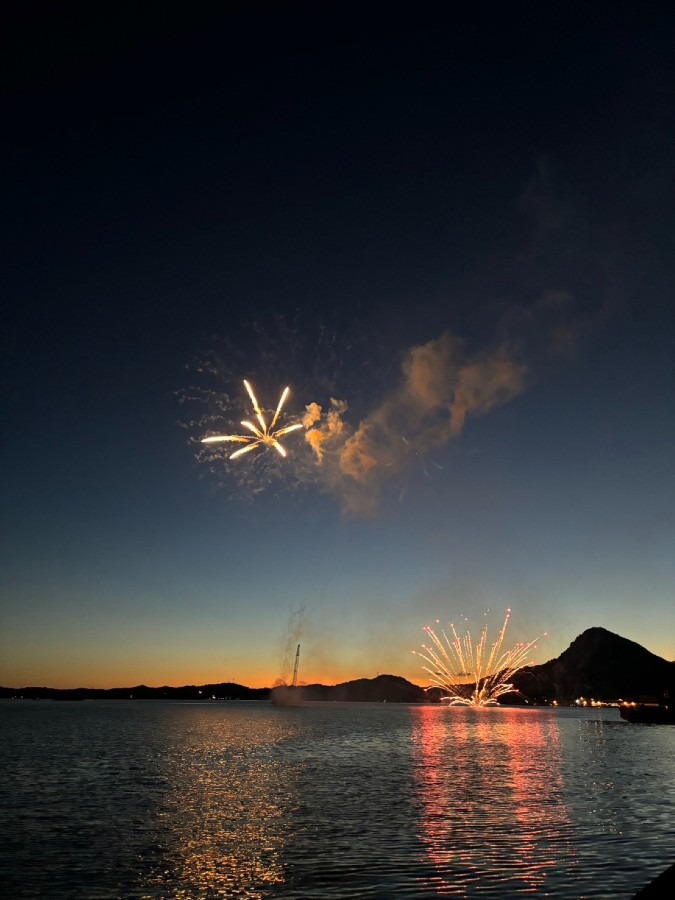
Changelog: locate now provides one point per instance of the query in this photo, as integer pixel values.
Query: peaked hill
(601, 665)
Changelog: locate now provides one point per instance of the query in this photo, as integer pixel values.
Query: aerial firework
(265, 435)
(469, 674)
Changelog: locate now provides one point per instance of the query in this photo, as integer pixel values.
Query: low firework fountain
(472, 674)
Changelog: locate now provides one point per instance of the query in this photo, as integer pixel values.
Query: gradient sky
(494, 196)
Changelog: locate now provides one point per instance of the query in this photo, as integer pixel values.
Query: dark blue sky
(474, 205)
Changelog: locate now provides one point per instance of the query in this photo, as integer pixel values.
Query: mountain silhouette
(600, 665)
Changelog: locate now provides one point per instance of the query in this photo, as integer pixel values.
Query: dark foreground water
(152, 799)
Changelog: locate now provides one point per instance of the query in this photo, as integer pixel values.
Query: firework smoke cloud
(440, 386)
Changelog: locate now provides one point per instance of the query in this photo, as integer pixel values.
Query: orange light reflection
(490, 791)
(227, 816)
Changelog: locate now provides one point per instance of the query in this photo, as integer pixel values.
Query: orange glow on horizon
(106, 676)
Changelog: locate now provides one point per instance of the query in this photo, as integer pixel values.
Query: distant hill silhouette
(391, 688)
(222, 691)
(598, 664)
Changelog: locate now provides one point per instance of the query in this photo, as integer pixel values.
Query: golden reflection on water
(228, 810)
(490, 791)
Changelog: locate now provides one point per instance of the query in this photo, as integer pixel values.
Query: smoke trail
(440, 385)
(294, 629)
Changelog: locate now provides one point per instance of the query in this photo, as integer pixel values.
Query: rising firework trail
(265, 435)
(471, 674)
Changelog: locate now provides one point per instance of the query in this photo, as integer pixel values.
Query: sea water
(157, 799)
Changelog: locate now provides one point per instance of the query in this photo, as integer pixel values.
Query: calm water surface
(179, 800)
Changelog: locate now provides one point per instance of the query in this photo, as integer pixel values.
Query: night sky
(459, 227)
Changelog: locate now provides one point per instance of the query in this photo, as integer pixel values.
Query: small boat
(648, 713)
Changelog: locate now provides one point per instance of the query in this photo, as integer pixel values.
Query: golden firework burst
(265, 435)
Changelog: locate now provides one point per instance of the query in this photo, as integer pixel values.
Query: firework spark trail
(257, 409)
(282, 400)
(265, 435)
(454, 660)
